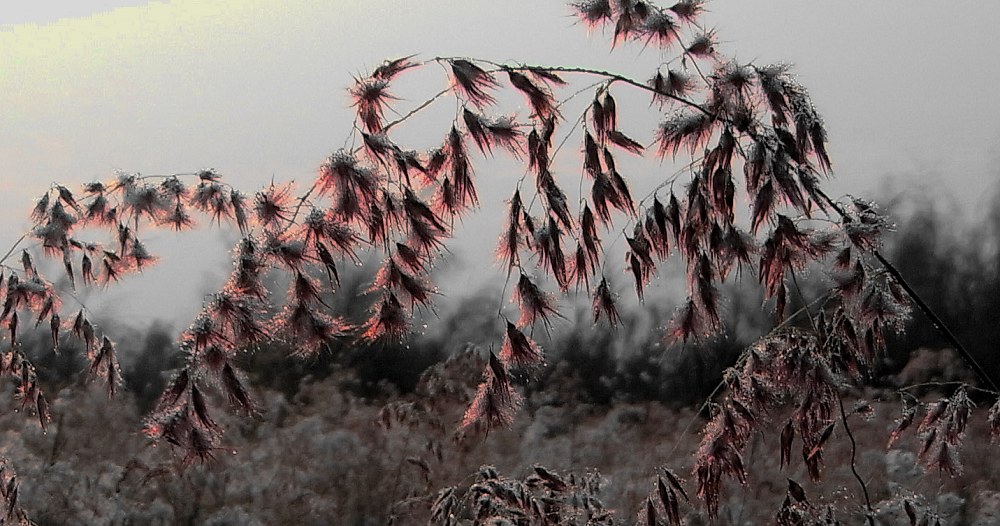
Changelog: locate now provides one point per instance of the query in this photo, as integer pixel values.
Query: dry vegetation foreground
(328, 457)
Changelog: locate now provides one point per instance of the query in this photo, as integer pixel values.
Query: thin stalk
(870, 516)
(13, 248)
(416, 110)
(938, 324)
(936, 321)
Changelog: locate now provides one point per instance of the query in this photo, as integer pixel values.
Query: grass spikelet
(640, 274)
(311, 329)
(272, 205)
(145, 200)
(540, 99)
(41, 209)
(535, 304)
(688, 10)
(624, 200)
(702, 46)
(703, 283)
(591, 239)
(763, 205)
(603, 194)
(239, 396)
(495, 402)
(200, 407)
(661, 28)
(623, 141)
(505, 133)
(591, 156)
(389, 321)
(371, 96)
(476, 125)
(594, 13)
(773, 80)
(605, 304)
(285, 249)
(580, 271)
(105, 365)
(556, 200)
(139, 255)
(686, 324)
(390, 68)
(178, 218)
(683, 129)
(473, 82)
(547, 76)
(519, 351)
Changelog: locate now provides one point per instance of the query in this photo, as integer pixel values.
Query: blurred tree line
(955, 267)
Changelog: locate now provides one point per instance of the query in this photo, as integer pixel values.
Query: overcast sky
(255, 89)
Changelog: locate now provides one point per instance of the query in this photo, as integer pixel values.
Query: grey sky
(48, 11)
(255, 89)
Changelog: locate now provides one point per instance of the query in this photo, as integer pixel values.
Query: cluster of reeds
(11, 511)
(744, 132)
(543, 497)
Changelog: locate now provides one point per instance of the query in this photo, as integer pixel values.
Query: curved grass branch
(940, 385)
(936, 321)
(938, 324)
(612, 77)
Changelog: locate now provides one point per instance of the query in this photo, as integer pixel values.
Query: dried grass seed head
(594, 12)
(473, 82)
